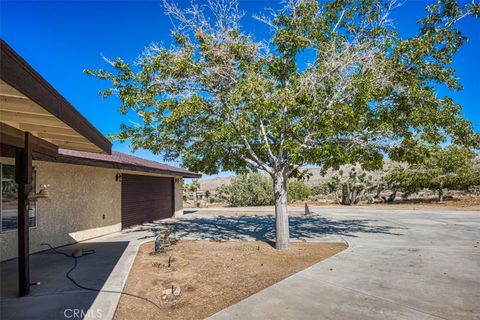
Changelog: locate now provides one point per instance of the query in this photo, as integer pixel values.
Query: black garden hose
(94, 289)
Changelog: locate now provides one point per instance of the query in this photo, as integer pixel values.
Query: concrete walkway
(57, 297)
(423, 265)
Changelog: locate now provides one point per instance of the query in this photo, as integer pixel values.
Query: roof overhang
(29, 103)
(112, 162)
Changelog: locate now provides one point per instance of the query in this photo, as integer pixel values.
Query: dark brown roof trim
(10, 136)
(15, 71)
(177, 172)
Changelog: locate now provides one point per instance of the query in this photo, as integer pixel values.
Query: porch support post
(23, 178)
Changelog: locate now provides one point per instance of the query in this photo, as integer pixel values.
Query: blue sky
(61, 38)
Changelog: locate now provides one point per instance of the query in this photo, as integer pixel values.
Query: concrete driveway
(400, 265)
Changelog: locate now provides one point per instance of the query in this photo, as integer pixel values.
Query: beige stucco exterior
(178, 197)
(85, 202)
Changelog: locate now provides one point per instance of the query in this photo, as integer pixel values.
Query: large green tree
(452, 167)
(222, 100)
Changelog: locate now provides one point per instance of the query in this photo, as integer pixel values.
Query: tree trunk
(392, 197)
(338, 197)
(440, 192)
(195, 198)
(359, 196)
(345, 191)
(354, 195)
(281, 215)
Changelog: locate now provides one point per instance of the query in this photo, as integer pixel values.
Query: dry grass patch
(211, 275)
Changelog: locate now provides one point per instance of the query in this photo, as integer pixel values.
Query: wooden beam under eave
(23, 178)
(11, 136)
(18, 74)
(16, 138)
(59, 137)
(22, 105)
(69, 142)
(25, 118)
(47, 129)
(7, 151)
(76, 146)
(7, 90)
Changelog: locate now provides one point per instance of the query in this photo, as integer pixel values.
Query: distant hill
(315, 179)
(213, 183)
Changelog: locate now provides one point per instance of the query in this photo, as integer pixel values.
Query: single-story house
(61, 182)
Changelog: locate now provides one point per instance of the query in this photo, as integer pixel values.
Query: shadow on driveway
(262, 228)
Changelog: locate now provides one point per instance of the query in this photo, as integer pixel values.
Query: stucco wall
(85, 202)
(178, 197)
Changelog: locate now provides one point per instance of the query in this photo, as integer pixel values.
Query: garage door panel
(146, 199)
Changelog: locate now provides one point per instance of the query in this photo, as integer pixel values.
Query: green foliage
(252, 189)
(405, 180)
(452, 167)
(322, 189)
(476, 171)
(222, 193)
(222, 101)
(298, 190)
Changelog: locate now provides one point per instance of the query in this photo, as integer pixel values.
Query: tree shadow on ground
(262, 228)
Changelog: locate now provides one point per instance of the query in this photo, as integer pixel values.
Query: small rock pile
(171, 292)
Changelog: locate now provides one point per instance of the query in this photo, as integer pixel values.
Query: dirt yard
(211, 275)
(458, 203)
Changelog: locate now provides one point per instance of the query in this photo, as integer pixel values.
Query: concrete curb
(287, 278)
(107, 302)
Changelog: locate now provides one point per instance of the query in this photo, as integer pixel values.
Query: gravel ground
(211, 275)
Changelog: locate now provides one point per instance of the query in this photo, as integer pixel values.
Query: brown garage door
(145, 199)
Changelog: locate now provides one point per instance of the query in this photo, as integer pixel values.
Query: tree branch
(272, 158)
(338, 22)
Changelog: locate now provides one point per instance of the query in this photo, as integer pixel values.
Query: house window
(9, 207)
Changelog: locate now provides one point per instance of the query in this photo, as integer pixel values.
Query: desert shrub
(402, 178)
(222, 193)
(251, 189)
(322, 189)
(351, 187)
(298, 190)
